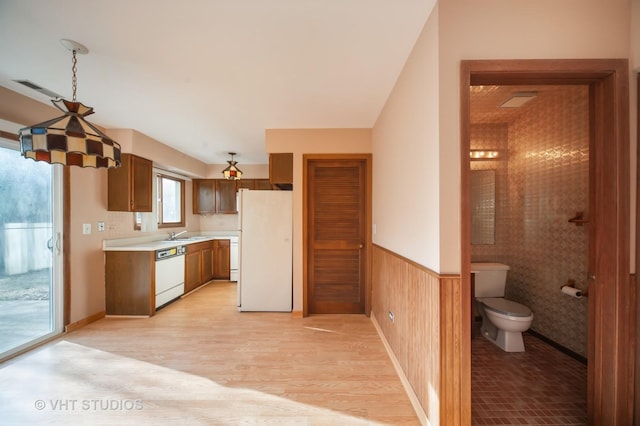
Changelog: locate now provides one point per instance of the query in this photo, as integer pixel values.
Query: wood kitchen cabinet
(214, 196)
(281, 168)
(193, 265)
(130, 283)
(221, 259)
(206, 261)
(130, 186)
(226, 196)
(207, 256)
(204, 196)
(262, 184)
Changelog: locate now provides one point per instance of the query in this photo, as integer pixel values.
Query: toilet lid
(506, 307)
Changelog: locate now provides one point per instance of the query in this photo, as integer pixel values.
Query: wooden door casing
(336, 229)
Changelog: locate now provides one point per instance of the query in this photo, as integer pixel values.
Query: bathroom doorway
(607, 272)
(529, 179)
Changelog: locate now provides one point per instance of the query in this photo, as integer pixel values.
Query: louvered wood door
(336, 236)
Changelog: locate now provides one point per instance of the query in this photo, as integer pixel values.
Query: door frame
(612, 294)
(306, 158)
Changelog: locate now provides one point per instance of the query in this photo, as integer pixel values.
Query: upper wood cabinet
(214, 196)
(226, 196)
(281, 168)
(262, 184)
(204, 196)
(130, 186)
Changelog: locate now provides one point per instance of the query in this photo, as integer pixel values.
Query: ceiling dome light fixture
(232, 172)
(70, 139)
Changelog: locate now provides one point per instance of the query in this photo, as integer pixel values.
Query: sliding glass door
(30, 250)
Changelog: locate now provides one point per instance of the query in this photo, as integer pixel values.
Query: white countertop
(155, 242)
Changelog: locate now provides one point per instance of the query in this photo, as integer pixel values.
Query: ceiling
(209, 76)
(485, 101)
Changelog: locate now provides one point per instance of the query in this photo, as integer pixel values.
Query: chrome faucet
(174, 235)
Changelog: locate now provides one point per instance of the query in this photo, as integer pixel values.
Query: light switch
(86, 228)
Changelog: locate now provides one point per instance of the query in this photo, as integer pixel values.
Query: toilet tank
(490, 279)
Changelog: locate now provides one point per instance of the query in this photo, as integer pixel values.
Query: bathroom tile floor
(541, 386)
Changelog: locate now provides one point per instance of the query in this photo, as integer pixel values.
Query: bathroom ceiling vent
(32, 85)
(518, 99)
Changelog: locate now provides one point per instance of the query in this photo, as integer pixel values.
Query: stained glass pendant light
(232, 172)
(70, 139)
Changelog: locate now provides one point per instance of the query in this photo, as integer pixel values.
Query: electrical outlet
(100, 226)
(391, 316)
(86, 228)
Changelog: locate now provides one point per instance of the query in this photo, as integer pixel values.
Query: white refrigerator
(265, 246)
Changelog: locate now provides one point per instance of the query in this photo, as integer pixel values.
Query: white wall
(406, 164)
(418, 215)
(507, 29)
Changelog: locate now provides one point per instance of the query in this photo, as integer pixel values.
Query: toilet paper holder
(571, 283)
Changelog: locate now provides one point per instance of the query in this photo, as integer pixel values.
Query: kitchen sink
(195, 238)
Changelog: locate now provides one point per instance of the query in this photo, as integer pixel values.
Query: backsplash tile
(541, 185)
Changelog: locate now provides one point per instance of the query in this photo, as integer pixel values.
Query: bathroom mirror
(483, 206)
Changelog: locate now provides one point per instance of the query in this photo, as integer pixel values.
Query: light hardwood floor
(199, 361)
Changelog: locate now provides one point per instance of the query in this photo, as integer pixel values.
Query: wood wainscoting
(420, 313)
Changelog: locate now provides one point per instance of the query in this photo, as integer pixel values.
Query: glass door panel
(30, 251)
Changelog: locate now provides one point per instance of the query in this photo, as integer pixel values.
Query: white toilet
(503, 320)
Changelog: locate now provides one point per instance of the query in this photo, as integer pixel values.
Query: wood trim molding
(9, 135)
(414, 264)
(297, 314)
(66, 247)
(637, 259)
(85, 321)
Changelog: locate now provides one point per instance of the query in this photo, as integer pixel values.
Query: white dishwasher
(169, 274)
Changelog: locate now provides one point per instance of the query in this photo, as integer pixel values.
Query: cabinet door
(142, 183)
(226, 196)
(204, 196)
(281, 168)
(262, 184)
(221, 267)
(207, 263)
(245, 184)
(129, 283)
(192, 270)
(130, 186)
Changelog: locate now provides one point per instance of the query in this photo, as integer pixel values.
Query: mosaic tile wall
(547, 174)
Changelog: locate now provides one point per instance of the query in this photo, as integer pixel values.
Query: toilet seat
(504, 306)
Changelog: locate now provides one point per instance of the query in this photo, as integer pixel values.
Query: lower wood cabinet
(130, 283)
(192, 268)
(222, 259)
(206, 261)
(207, 254)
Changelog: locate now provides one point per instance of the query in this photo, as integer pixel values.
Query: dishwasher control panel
(169, 252)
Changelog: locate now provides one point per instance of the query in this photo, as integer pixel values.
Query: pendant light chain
(74, 80)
